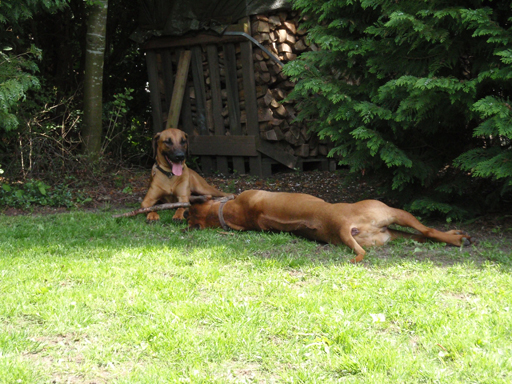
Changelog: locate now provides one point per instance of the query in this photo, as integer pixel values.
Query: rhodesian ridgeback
(357, 225)
(171, 180)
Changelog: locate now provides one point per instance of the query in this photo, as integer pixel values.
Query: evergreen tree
(17, 56)
(415, 92)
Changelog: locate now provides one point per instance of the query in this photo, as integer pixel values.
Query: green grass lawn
(85, 298)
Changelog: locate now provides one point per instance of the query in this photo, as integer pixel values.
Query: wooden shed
(205, 84)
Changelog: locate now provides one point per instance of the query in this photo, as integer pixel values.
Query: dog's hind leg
(396, 234)
(405, 219)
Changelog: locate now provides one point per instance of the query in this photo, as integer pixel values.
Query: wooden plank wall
(233, 100)
(216, 109)
(198, 118)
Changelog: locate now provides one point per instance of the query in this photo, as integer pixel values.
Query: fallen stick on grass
(162, 207)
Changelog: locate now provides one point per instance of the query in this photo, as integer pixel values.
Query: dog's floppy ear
(154, 144)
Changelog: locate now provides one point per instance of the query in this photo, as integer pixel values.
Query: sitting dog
(171, 180)
(357, 225)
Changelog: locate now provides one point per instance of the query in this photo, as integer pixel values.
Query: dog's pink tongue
(177, 169)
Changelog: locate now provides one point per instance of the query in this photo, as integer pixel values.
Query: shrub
(35, 192)
(415, 93)
(18, 65)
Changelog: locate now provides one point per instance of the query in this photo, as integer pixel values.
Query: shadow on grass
(83, 235)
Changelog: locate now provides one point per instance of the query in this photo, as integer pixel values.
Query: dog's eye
(168, 141)
(183, 141)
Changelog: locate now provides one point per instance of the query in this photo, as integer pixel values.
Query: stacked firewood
(281, 35)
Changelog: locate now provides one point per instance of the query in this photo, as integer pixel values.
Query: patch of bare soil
(127, 187)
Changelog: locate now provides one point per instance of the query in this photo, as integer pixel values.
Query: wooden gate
(219, 110)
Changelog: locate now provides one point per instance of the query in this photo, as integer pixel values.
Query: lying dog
(171, 180)
(357, 225)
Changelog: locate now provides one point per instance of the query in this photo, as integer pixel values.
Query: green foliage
(13, 11)
(124, 134)
(41, 92)
(36, 192)
(416, 93)
(45, 122)
(16, 79)
(116, 116)
(18, 58)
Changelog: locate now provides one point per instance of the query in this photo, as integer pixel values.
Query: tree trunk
(93, 82)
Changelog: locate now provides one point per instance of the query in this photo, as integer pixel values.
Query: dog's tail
(347, 236)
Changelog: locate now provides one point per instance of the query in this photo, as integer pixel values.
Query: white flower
(378, 317)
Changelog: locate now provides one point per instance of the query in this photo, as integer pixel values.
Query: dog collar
(168, 174)
(221, 216)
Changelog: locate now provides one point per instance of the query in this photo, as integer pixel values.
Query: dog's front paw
(152, 217)
(357, 259)
(178, 216)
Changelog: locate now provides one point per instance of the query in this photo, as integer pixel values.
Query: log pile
(280, 34)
